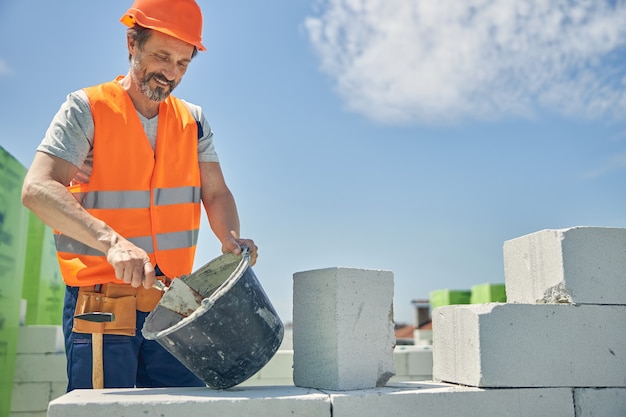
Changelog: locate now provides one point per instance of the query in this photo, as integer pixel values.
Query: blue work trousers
(129, 361)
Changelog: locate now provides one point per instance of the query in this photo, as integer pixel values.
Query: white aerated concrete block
(40, 339)
(343, 330)
(445, 400)
(600, 402)
(524, 345)
(30, 396)
(51, 367)
(176, 402)
(40, 374)
(28, 414)
(278, 371)
(582, 265)
(412, 363)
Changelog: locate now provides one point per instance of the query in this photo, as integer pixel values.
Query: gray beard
(155, 94)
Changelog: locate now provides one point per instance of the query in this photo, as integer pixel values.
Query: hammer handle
(97, 366)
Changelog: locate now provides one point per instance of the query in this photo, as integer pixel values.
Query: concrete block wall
(40, 374)
(398, 400)
(564, 323)
(411, 363)
(278, 371)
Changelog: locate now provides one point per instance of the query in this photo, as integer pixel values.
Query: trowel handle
(159, 285)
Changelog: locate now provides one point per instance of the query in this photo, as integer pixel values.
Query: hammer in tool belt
(97, 370)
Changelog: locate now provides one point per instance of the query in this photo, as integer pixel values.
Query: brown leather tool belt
(120, 299)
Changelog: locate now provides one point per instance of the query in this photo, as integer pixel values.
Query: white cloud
(4, 68)
(400, 61)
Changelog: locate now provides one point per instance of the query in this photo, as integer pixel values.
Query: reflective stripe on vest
(165, 241)
(150, 197)
(138, 199)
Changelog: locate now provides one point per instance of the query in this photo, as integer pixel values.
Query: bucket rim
(207, 302)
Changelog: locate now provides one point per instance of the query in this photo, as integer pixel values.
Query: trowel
(179, 297)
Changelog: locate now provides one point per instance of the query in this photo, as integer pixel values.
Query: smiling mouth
(161, 81)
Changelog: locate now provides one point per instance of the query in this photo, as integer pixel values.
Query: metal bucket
(230, 335)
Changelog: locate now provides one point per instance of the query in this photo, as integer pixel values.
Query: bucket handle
(245, 252)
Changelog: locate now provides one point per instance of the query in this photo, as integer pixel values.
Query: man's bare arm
(44, 192)
(222, 211)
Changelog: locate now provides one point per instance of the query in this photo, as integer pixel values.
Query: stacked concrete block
(522, 345)
(594, 402)
(580, 265)
(343, 330)
(423, 337)
(564, 323)
(278, 371)
(446, 400)
(176, 402)
(40, 374)
(412, 363)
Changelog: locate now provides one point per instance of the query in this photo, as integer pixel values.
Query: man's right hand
(131, 264)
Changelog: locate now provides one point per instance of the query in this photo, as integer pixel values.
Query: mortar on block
(218, 322)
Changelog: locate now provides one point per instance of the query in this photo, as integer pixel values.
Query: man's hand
(233, 244)
(131, 264)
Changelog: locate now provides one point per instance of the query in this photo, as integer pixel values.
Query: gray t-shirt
(70, 134)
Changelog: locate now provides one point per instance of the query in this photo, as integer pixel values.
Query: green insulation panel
(445, 297)
(13, 238)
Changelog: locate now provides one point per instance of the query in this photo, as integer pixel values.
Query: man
(120, 175)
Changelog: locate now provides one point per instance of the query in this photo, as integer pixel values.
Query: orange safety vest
(150, 198)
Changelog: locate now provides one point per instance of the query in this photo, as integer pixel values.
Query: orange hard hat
(181, 19)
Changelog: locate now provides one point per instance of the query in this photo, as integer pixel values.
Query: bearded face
(154, 85)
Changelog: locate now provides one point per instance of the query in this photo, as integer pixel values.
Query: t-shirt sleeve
(70, 134)
(206, 148)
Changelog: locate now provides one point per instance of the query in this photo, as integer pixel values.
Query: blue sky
(404, 135)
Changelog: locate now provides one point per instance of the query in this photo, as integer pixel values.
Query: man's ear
(130, 44)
